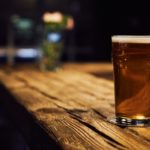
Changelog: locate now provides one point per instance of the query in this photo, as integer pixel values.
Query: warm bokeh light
(55, 17)
(70, 23)
(139, 117)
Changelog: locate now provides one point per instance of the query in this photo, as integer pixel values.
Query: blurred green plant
(51, 55)
(52, 49)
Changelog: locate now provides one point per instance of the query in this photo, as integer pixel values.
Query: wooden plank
(98, 69)
(53, 87)
(68, 132)
(72, 108)
(9, 80)
(117, 134)
(89, 67)
(46, 111)
(143, 132)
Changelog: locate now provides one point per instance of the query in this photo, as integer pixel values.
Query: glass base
(126, 122)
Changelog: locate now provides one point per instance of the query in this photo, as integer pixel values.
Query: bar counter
(67, 109)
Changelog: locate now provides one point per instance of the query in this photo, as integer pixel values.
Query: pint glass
(131, 61)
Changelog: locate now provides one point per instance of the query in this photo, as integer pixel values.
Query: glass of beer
(131, 61)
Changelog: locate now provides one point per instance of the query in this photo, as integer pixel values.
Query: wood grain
(72, 108)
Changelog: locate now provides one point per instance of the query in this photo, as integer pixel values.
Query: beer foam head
(130, 39)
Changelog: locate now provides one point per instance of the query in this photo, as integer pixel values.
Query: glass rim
(131, 38)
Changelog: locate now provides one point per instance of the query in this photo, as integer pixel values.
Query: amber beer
(131, 59)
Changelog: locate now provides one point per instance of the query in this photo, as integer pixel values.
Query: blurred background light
(27, 53)
(55, 17)
(54, 37)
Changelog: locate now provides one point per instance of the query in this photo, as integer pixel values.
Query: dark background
(95, 22)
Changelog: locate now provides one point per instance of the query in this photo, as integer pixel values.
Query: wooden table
(67, 109)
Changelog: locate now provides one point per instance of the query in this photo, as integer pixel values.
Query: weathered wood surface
(72, 108)
(93, 68)
(97, 69)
